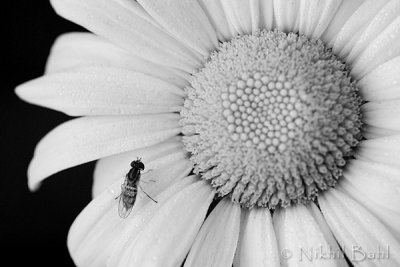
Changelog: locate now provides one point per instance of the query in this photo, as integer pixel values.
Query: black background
(34, 226)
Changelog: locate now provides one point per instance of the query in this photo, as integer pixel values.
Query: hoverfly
(129, 189)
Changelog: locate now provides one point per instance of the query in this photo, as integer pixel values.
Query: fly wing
(125, 206)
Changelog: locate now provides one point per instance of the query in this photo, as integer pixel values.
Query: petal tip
(33, 186)
(21, 91)
(33, 182)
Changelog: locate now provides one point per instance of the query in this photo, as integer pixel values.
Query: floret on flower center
(271, 119)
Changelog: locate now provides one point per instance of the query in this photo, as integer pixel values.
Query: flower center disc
(271, 119)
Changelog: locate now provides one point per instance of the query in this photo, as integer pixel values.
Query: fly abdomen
(131, 188)
(130, 193)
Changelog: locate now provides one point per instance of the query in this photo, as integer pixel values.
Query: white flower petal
(89, 138)
(98, 221)
(314, 16)
(216, 242)
(267, 14)
(383, 114)
(238, 13)
(382, 19)
(257, 245)
(302, 235)
(243, 15)
(358, 231)
(286, 15)
(383, 48)
(385, 150)
(167, 237)
(255, 14)
(377, 187)
(168, 159)
(303, 19)
(382, 83)
(126, 24)
(98, 232)
(102, 91)
(186, 21)
(73, 50)
(344, 12)
(371, 132)
(326, 13)
(215, 13)
(355, 25)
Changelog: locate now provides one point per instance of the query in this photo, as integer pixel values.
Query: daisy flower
(269, 130)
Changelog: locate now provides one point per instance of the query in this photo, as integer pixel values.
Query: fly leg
(146, 182)
(150, 180)
(147, 194)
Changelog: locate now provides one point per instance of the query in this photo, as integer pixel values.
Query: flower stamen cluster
(271, 119)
